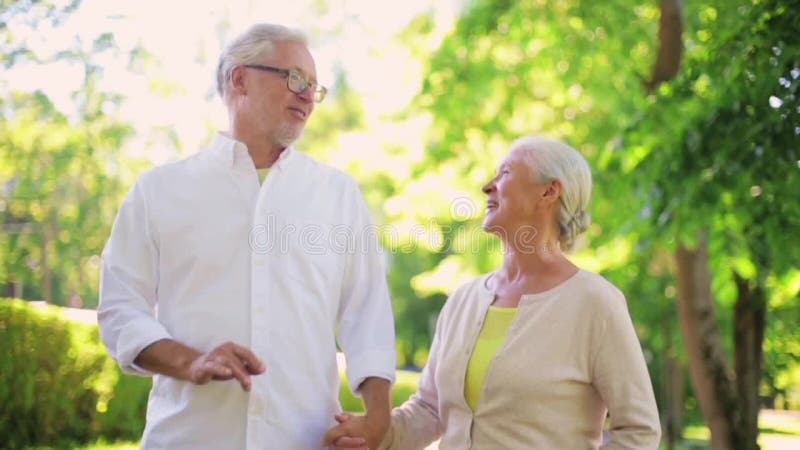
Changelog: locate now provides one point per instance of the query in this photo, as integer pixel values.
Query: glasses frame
(293, 77)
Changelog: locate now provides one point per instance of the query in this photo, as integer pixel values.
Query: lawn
(780, 430)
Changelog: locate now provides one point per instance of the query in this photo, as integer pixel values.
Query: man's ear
(237, 81)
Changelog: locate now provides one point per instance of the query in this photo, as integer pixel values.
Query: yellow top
(491, 337)
(262, 174)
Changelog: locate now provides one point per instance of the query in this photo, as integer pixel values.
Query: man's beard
(287, 134)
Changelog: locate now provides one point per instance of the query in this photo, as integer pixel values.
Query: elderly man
(231, 285)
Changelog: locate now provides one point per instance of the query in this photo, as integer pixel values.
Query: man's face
(275, 112)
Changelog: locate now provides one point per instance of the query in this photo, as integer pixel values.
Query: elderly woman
(535, 354)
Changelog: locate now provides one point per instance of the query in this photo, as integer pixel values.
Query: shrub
(46, 366)
(57, 383)
(124, 416)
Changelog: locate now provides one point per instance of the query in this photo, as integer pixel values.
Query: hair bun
(580, 221)
(576, 225)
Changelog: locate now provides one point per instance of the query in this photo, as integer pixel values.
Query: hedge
(57, 384)
(59, 387)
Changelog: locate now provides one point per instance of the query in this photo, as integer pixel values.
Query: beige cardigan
(571, 354)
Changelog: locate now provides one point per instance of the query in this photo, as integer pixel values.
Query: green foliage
(124, 415)
(404, 387)
(61, 173)
(28, 13)
(58, 197)
(342, 111)
(57, 384)
(731, 149)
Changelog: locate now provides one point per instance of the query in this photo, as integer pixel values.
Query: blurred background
(687, 111)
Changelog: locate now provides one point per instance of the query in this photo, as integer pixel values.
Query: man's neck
(262, 151)
(265, 155)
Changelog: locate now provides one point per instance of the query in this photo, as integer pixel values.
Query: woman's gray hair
(550, 160)
(252, 45)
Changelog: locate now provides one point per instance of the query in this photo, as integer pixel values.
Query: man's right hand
(226, 362)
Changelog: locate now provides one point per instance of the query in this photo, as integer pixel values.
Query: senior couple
(240, 337)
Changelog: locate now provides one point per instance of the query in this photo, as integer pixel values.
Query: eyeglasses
(295, 81)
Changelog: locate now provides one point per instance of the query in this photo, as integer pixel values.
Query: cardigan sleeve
(620, 376)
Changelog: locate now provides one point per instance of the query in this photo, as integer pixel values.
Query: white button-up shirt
(203, 254)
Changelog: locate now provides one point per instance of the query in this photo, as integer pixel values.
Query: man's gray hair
(252, 45)
(550, 160)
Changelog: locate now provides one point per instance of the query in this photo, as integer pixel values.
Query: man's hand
(226, 362)
(358, 432)
(170, 357)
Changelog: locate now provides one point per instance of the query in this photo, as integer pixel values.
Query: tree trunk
(666, 67)
(47, 272)
(670, 44)
(13, 289)
(673, 401)
(750, 317)
(711, 377)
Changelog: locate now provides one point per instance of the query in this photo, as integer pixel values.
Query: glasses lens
(296, 82)
(319, 93)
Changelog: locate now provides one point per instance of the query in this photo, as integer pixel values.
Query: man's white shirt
(202, 253)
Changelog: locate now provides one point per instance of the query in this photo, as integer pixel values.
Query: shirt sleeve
(416, 423)
(620, 376)
(366, 322)
(128, 285)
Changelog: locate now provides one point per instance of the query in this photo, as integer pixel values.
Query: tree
(60, 170)
(708, 152)
(732, 144)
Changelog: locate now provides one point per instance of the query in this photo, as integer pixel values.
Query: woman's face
(514, 198)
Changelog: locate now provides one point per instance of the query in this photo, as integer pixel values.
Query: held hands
(359, 432)
(226, 362)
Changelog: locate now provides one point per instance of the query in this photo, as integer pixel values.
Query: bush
(57, 384)
(43, 376)
(125, 414)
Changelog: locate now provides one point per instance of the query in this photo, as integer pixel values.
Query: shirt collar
(233, 153)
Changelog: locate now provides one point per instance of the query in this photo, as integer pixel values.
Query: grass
(99, 445)
(779, 430)
(102, 445)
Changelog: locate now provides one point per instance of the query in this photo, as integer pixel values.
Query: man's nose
(307, 95)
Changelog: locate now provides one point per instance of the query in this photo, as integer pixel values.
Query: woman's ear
(552, 193)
